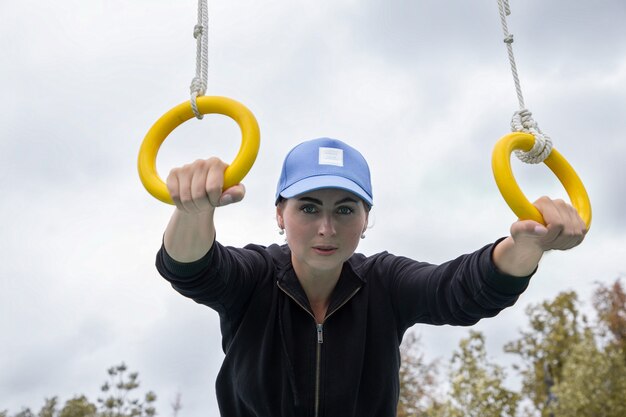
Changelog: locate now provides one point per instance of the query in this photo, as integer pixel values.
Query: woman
(311, 328)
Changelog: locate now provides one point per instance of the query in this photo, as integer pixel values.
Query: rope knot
(197, 88)
(198, 30)
(523, 121)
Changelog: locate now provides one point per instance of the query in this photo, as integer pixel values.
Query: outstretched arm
(520, 253)
(196, 189)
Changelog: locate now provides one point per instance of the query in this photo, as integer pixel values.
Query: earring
(362, 235)
(281, 231)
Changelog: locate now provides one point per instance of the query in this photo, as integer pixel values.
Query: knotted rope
(522, 120)
(201, 34)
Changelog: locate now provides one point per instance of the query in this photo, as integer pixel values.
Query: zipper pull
(320, 333)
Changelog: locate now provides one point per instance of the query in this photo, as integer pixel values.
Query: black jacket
(280, 362)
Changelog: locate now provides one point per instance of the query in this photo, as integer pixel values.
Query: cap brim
(325, 181)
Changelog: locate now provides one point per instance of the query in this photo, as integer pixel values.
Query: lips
(325, 249)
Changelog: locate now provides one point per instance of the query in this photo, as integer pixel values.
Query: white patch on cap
(331, 156)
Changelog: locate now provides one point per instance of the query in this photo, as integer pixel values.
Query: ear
(367, 221)
(279, 216)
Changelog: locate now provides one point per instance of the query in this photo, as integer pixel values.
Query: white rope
(522, 120)
(201, 33)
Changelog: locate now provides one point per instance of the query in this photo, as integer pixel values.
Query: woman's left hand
(519, 254)
(564, 227)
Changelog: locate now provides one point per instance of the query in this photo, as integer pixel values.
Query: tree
(592, 382)
(78, 407)
(477, 386)
(117, 403)
(117, 400)
(610, 304)
(26, 412)
(555, 329)
(418, 380)
(49, 408)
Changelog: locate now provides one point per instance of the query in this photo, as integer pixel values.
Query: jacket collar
(350, 280)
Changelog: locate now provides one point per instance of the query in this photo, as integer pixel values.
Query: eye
(308, 209)
(345, 210)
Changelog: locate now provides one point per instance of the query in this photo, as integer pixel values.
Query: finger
(185, 177)
(233, 194)
(549, 210)
(527, 229)
(580, 227)
(199, 194)
(553, 219)
(215, 181)
(569, 234)
(565, 227)
(173, 187)
(575, 227)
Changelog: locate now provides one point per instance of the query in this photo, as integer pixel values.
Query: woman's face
(323, 229)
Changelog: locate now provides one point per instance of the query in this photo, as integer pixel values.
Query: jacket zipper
(318, 363)
(319, 328)
(318, 360)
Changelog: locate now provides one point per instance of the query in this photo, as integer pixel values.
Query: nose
(327, 226)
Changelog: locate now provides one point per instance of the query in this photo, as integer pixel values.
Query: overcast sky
(422, 88)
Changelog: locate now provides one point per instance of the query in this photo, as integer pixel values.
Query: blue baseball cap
(324, 163)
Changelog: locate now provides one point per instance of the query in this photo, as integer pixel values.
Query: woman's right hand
(197, 187)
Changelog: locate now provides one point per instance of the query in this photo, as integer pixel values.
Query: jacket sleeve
(223, 279)
(458, 292)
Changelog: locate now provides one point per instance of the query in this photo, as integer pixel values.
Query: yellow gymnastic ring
(234, 173)
(517, 201)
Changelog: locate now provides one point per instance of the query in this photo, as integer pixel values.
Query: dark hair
(367, 206)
